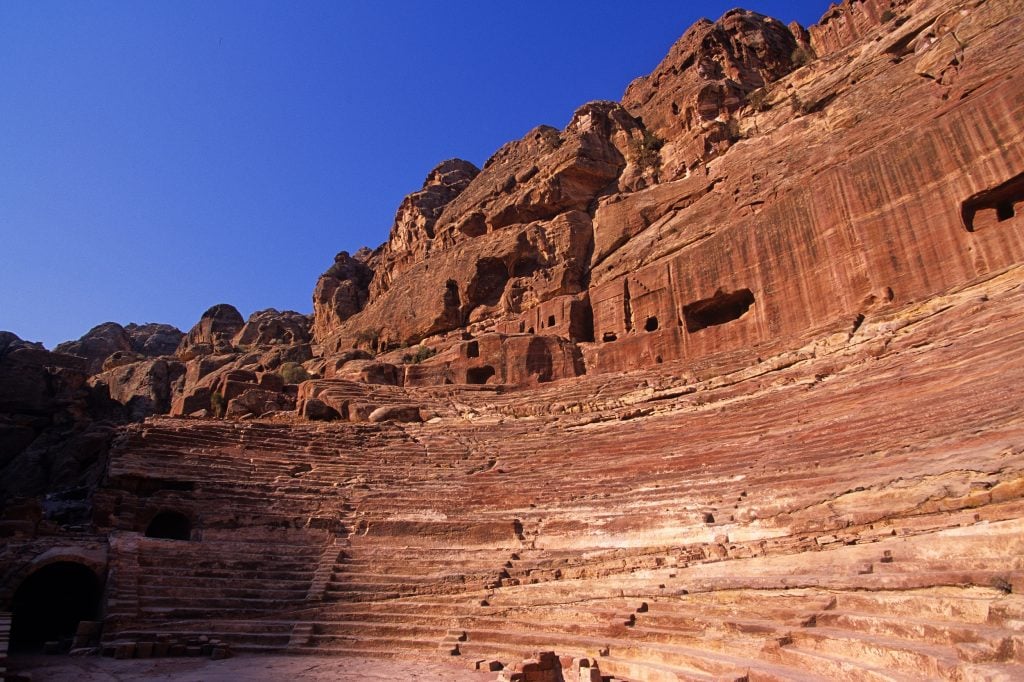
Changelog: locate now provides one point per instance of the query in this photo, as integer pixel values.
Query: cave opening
(479, 375)
(721, 308)
(50, 603)
(651, 324)
(170, 525)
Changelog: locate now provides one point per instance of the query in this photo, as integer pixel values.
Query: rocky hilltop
(717, 382)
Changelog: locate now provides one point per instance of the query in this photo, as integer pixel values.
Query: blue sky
(157, 158)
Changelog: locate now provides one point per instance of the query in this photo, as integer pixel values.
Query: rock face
(233, 369)
(413, 232)
(656, 229)
(213, 333)
(517, 235)
(690, 102)
(340, 293)
(718, 382)
(49, 441)
(144, 341)
(97, 345)
(270, 327)
(145, 387)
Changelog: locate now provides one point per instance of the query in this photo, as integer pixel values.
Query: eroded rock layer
(847, 508)
(719, 382)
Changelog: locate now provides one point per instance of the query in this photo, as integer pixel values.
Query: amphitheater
(827, 487)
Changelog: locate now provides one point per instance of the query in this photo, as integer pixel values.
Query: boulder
(153, 340)
(315, 409)
(395, 413)
(144, 387)
(257, 401)
(269, 327)
(213, 333)
(97, 344)
(370, 372)
(121, 358)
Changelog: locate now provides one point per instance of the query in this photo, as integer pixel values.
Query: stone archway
(48, 605)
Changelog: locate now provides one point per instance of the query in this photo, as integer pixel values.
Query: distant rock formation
(102, 341)
(790, 265)
(53, 436)
(214, 332)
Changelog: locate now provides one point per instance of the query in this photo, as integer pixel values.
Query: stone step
(379, 630)
(381, 648)
(970, 605)
(653, 672)
(917, 630)
(267, 640)
(882, 652)
(837, 668)
(685, 657)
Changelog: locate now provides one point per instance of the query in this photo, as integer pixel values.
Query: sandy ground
(254, 668)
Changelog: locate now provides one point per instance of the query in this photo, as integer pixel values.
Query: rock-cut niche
(488, 283)
(994, 205)
(721, 308)
(170, 525)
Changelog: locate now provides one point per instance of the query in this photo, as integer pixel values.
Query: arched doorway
(50, 603)
(170, 525)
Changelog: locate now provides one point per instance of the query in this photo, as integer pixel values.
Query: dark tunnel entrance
(170, 526)
(49, 604)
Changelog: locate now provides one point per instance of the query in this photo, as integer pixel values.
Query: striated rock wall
(849, 21)
(688, 103)
(744, 196)
(796, 452)
(861, 212)
(340, 293)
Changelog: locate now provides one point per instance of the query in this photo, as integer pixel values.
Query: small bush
(217, 404)
(648, 151)
(800, 107)
(802, 56)
(369, 338)
(293, 373)
(758, 100)
(887, 16)
(422, 353)
(732, 129)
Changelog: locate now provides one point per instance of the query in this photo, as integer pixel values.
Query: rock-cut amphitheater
(722, 381)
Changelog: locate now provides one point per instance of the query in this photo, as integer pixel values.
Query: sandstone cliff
(790, 268)
(743, 196)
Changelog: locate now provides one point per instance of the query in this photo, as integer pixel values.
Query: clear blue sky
(157, 158)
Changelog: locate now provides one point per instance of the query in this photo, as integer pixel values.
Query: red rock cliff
(745, 195)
